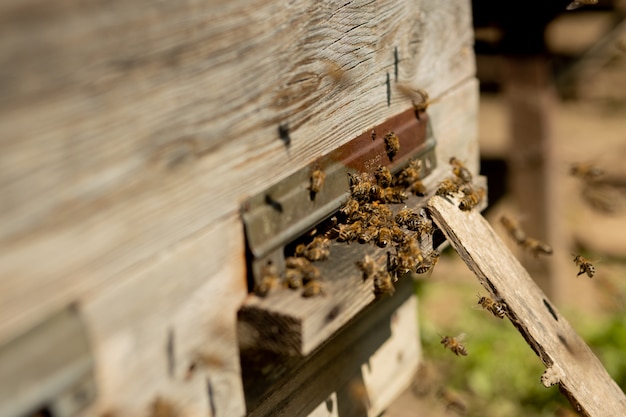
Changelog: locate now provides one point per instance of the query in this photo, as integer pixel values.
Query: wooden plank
(365, 365)
(149, 327)
(569, 361)
(140, 124)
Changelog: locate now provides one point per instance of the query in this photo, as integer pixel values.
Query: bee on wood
(349, 232)
(418, 188)
(363, 186)
(368, 234)
(460, 171)
(312, 288)
(384, 237)
(448, 187)
(513, 229)
(397, 235)
(317, 180)
(453, 343)
(496, 308)
(392, 145)
(407, 257)
(585, 265)
(428, 263)
(536, 247)
(383, 284)
(585, 171)
(269, 280)
(405, 215)
(472, 199)
(419, 97)
(368, 266)
(163, 408)
(410, 174)
(293, 278)
(316, 250)
(394, 195)
(579, 3)
(383, 176)
(351, 207)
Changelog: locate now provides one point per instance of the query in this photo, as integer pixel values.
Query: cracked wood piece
(569, 361)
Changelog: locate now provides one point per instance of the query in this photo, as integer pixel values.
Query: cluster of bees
(536, 247)
(368, 217)
(461, 184)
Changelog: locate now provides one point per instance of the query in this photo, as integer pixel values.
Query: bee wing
(460, 337)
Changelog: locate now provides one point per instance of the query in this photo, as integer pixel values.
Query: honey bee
(472, 199)
(293, 278)
(317, 250)
(496, 308)
(312, 288)
(579, 3)
(405, 215)
(363, 187)
(383, 283)
(163, 408)
(317, 180)
(407, 257)
(453, 401)
(397, 235)
(586, 267)
(460, 171)
(448, 187)
(383, 176)
(349, 232)
(351, 207)
(384, 237)
(418, 188)
(586, 171)
(410, 174)
(535, 247)
(368, 267)
(513, 229)
(418, 96)
(428, 263)
(453, 343)
(269, 280)
(393, 195)
(368, 234)
(601, 197)
(392, 145)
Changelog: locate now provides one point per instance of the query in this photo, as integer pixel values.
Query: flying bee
(312, 288)
(454, 344)
(513, 229)
(418, 96)
(383, 176)
(496, 308)
(351, 207)
(453, 401)
(383, 284)
(585, 171)
(428, 263)
(410, 174)
(392, 145)
(317, 180)
(384, 237)
(269, 280)
(394, 195)
(535, 247)
(448, 187)
(368, 267)
(585, 265)
(472, 199)
(460, 170)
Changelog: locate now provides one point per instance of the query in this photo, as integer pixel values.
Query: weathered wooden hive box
(155, 159)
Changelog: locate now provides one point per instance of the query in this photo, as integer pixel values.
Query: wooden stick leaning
(569, 361)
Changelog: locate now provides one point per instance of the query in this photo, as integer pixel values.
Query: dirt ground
(590, 129)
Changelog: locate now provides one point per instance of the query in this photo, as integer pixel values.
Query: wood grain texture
(569, 361)
(130, 132)
(128, 126)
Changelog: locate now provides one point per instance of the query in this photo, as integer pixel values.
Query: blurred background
(553, 94)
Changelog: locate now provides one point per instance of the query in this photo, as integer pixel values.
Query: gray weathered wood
(569, 361)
